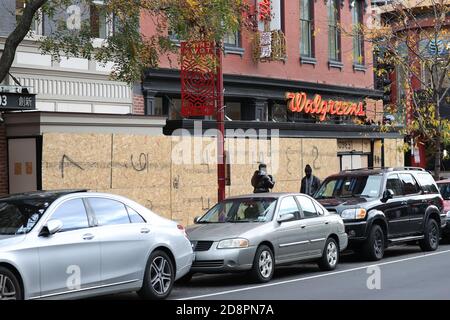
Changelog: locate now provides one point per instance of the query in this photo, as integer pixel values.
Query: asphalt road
(405, 273)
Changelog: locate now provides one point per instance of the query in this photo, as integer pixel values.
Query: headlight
(354, 214)
(233, 243)
(448, 214)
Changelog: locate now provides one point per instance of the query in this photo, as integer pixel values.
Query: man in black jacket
(310, 183)
(261, 181)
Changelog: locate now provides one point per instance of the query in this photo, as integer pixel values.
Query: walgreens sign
(299, 102)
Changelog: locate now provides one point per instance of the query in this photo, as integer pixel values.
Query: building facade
(69, 85)
(313, 102)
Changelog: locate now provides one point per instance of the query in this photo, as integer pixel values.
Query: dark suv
(388, 206)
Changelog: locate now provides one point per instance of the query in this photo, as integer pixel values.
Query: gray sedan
(60, 245)
(259, 231)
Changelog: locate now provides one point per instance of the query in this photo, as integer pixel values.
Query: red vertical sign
(198, 78)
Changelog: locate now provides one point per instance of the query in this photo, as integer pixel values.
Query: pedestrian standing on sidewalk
(310, 183)
(261, 181)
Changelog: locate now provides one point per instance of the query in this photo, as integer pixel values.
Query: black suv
(387, 206)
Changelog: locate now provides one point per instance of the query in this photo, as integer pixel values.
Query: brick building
(319, 59)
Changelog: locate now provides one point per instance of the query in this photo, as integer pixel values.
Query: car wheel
(430, 242)
(373, 248)
(330, 255)
(9, 286)
(186, 278)
(159, 277)
(263, 264)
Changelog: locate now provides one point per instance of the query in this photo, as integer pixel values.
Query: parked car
(260, 231)
(384, 207)
(444, 188)
(71, 244)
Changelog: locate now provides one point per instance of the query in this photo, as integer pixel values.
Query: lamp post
(220, 118)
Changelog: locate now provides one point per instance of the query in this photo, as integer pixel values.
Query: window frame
(414, 179)
(109, 23)
(94, 215)
(358, 36)
(335, 56)
(89, 217)
(300, 213)
(401, 183)
(301, 208)
(310, 24)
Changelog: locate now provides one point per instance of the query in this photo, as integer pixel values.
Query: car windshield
(350, 186)
(20, 216)
(444, 188)
(241, 210)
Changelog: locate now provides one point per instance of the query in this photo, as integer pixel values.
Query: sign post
(221, 179)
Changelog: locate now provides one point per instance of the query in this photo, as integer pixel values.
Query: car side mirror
(52, 227)
(197, 219)
(388, 194)
(286, 217)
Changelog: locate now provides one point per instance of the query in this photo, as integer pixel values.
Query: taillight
(182, 229)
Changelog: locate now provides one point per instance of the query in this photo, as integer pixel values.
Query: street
(405, 273)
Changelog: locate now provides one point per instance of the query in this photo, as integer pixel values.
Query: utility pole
(220, 118)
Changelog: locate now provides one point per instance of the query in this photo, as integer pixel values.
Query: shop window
(233, 111)
(175, 109)
(307, 28)
(278, 112)
(158, 107)
(358, 40)
(334, 36)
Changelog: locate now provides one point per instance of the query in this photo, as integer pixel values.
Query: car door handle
(327, 222)
(145, 230)
(88, 236)
(303, 227)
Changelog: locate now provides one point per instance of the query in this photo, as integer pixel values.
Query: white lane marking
(313, 277)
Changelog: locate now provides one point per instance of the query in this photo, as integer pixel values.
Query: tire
(160, 269)
(373, 248)
(185, 279)
(263, 265)
(330, 255)
(9, 286)
(430, 242)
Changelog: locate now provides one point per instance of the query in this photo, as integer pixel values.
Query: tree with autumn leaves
(127, 48)
(411, 39)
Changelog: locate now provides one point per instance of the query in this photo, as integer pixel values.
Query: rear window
(427, 183)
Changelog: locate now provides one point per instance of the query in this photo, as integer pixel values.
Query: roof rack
(409, 168)
(386, 168)
(368, 168)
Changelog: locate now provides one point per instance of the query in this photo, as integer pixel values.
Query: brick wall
(138, 104)
(3, 161)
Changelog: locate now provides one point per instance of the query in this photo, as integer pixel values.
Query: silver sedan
(260, 231)
(61, 245)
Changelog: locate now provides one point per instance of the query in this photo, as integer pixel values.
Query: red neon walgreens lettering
(290, 97)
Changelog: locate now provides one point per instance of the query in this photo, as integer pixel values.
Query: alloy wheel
(265, 264)
(332, 254)
(7, 288)
(378, 244)
(160, 275)
(433, 236)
